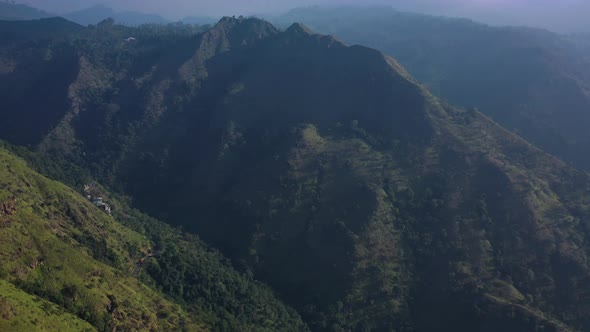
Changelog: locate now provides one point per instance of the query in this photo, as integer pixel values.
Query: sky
(556, 15)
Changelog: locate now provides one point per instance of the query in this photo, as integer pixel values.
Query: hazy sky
(559, 15)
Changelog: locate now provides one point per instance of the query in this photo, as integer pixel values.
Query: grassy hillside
(60, 247)
(20, 311)
(57, 246)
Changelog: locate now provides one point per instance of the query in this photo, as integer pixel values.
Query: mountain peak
(227, 20)
(241, 30)
(299, 29)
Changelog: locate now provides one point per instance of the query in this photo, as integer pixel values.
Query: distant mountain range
(363, 201)
(98, 13)
(17, 12)
(94, 15)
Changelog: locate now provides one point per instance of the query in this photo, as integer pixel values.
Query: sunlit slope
(20, 311)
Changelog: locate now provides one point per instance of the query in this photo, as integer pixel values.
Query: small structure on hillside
(94, 195)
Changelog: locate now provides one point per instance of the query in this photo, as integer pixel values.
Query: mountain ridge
(529, 80)
(329, 173)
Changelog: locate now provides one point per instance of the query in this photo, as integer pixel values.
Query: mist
(563, 16)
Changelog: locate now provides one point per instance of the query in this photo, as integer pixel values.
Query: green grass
(20, 311)
(59, 246)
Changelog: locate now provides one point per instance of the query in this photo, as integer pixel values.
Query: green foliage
(58, 246)
(184, 268)
(20, 311)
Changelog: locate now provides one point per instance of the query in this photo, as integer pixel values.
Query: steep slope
(57, 246)
(530, 81)
(40, 60)
(36, 67)
(329, 173)
(20, 311)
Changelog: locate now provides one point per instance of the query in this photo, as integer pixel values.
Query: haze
(557, 15)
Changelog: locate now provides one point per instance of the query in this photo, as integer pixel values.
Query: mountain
(531, 81)
(98, 13)
(19, 12)
(40, 59)
(326, 171)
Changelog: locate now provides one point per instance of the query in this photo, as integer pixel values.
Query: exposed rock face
(8, 208)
